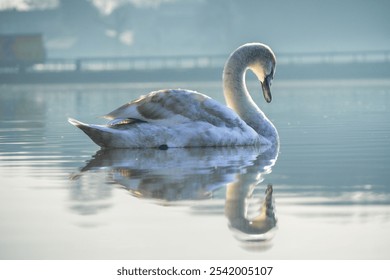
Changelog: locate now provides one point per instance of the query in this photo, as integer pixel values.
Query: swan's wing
(172, 107)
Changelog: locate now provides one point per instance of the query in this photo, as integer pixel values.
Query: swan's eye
(269, 79)
(272, 73)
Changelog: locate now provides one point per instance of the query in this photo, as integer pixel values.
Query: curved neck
(238, 98)
(236, 94)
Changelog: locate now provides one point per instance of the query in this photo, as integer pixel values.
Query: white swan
(185, 118)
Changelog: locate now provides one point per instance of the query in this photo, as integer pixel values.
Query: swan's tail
(76, 122)
(97, 133)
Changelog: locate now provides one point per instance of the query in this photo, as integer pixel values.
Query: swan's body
(184, 118)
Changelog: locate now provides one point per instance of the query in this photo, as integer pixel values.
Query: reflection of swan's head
(258, 228)
(257, 57)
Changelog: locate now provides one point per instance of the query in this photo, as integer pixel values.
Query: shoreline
(333, 71)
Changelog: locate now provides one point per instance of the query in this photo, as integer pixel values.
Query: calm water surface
(325, 194)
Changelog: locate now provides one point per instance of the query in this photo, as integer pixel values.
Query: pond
(324, 194)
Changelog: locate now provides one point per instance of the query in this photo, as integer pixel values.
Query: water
(324, 195)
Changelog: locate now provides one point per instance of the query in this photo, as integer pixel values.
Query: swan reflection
(183, 176)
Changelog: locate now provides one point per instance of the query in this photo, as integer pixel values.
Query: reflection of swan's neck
(238, 98)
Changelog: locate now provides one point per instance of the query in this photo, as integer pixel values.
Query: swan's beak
(266, 89)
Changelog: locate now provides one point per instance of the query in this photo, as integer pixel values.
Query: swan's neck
(238, 98)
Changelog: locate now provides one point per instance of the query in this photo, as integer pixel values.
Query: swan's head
(261, 60)
(254, 56)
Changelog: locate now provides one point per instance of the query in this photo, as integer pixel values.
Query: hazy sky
(105, 6)
(289, 26)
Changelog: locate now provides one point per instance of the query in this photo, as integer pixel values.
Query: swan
(185, 118)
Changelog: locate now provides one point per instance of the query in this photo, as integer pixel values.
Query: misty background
(331, 107)
(92, 28)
